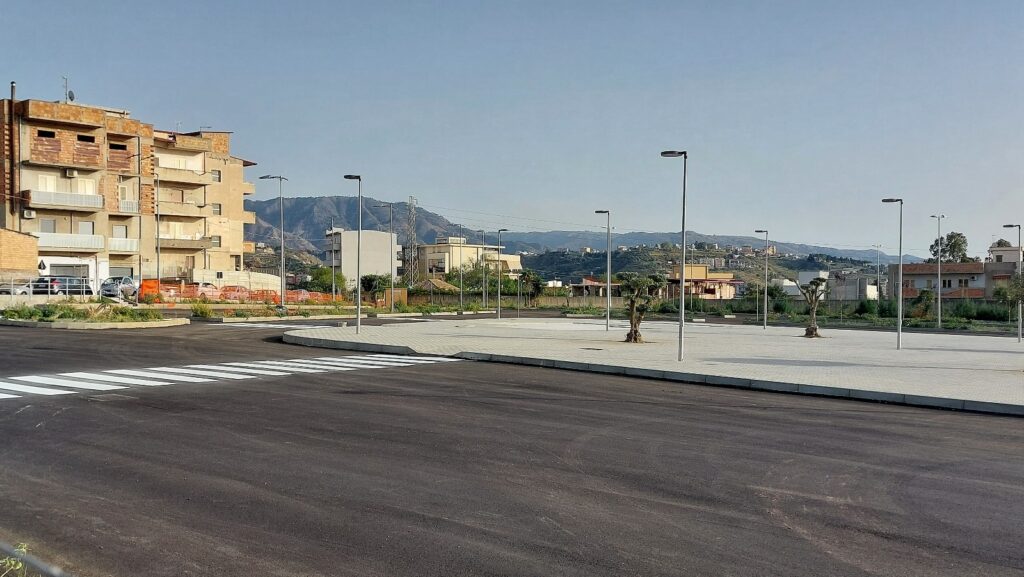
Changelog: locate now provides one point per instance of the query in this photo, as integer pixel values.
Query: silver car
(119, 287)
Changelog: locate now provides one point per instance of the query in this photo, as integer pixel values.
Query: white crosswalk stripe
(275, 326)
(157, 375)
(33, 390)
(17, 387)
(264, 372)
(113, 379)
(211, 374)
(66, 383)
(276, 364)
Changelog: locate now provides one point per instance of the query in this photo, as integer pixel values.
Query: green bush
(887, 308)
(202, 310)
(241, 314)
(23, 313)
(305, 313)
(963, 310)
(782, 306)
(866, 308)
(126, 314)
(990, 312)
(668, 307)
(63, 312)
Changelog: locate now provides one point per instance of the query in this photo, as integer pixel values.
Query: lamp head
(502, 230)
(601, 212)
(353, 177)
(938, 216)
(761, 232)
(892, 200)
(673, 153)
(1011, 226)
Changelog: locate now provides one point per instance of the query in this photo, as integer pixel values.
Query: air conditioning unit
(70, 173)
(28, 213)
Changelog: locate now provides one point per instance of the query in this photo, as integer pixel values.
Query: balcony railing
(73, 242)
(196, 242)
(123, 244)
(182, 209)
(65, 200)
(183, 176)
(131, 206)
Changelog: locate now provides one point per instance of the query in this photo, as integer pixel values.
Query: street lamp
(280, 192)
(359, 252)
(483, 258)
(391, 243)
(899, 279)
(1020, 267)
(608, 273)
(765, 232)
(682, 234)
(938, 262)
(462, 244)
(500, 230)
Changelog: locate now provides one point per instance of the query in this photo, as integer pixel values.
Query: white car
(17, 288)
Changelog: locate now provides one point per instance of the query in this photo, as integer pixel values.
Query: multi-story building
(380, 252)
(107, 195)
(449, 253)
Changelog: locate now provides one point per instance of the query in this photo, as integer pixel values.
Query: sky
(798, 116)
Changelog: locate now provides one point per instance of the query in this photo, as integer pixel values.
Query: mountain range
(307, 218)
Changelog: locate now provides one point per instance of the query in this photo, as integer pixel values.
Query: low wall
(248, 279)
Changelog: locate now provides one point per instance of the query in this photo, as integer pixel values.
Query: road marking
(321, 365)
(241, 370)
(146, 373)
(276, 326)
(275, 364)
(400, 359)
(113, 379)
(368, 363)
(6, 396)
(33, 390)
(296, 366)
(66, 383)
(211, 374)
(427, 359)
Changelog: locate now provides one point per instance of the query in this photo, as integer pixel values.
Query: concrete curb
(84, 326)
(688, 378)
(273, 319)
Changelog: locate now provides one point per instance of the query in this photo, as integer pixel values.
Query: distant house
(704, 284)
(966, 280)
(591, 286)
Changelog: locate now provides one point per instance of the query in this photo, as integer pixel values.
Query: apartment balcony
(248, 188)
(197, 242)
(124, 245)
(248, 247)
(65, 201)
(248, 217)
(69, 242)
(189, 209)
(183, 176)
(128, 206)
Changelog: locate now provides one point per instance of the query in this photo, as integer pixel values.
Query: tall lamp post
(765, 233)
(280, 192)
(899, 280)
(1020, 267)
(483, 258)
(500, 274)
(359, 252)
(391, 242)
(682, 248)
(938, 262)
(608, 270)
(462, 244)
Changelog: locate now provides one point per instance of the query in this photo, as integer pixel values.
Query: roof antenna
(65, 89)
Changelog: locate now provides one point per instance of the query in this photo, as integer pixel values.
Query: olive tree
(813, 292)
(638, 291)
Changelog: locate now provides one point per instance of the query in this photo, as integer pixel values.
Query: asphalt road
(469, 468)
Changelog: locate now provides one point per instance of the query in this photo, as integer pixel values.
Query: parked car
(201, 290)
(15, 287)
(119, 287)
(234, 293)
(59, 285)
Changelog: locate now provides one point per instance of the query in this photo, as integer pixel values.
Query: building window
(216, 240)
(46, 134)
(86, 227)
(999, 258)
(48, 225)
(47, 182)
(216, 209)
(86, 138)
(216, 175)
(963, 282)
(947, 283)
(115, 146)
(119, 231)
(85, 186)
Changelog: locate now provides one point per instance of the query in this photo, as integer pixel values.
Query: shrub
(63, 312)
(151, 298)
(305, 313)
(887, 308)
(241, 314)
(668, 307)
(202, 310)
(23, 313)
(963, 310)
(990, 312)
(866, 308)
(782, 306)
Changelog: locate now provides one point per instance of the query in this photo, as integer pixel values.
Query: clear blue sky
(799, 116)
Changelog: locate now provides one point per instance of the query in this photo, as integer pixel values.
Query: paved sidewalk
(954, 371)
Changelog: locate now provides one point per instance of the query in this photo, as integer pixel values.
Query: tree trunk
(634, 336)
(812, 329)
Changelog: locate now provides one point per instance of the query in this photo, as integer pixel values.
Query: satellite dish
(71, 95)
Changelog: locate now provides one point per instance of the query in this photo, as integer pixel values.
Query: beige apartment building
(449, 253)
(107, 195)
